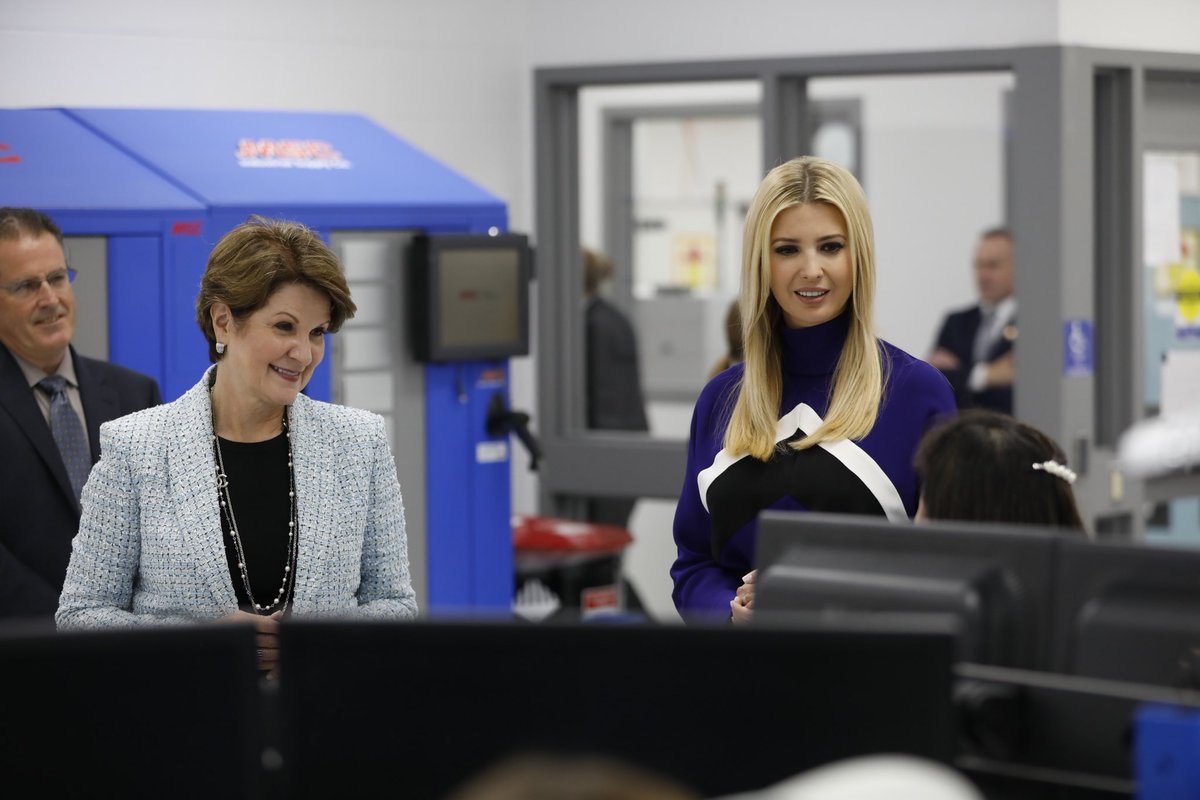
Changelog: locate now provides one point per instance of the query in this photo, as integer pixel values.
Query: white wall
(451, 77)
(614, 31)
(1165, 25)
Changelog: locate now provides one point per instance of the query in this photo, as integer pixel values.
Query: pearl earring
(220, 348)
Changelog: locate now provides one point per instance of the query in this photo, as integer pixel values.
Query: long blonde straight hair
(858, 379)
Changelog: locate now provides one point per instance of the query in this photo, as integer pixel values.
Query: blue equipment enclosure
(93, 188)
(456, 408)
(1167, 752)
(164, 185)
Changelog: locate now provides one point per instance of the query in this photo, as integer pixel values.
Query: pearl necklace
(284, 596)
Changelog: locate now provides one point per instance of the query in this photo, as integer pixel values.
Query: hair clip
(1057, 469)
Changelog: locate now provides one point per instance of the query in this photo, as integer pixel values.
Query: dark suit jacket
(958, 336)
(614, 385)
(39, 514)
(614, 391)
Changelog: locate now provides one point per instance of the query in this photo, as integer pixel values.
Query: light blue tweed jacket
(150, 548)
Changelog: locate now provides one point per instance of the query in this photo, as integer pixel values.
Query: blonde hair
(858, 379)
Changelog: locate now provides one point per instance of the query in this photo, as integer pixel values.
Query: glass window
(1171, 309)
(667, 172)
(933, 165)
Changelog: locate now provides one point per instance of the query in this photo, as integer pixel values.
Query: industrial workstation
(469, 164)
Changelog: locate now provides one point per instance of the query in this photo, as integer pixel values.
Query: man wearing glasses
(52, 403)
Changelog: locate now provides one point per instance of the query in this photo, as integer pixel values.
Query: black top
(39, 516)
(958, 336)
(259, 482)
(614, 384)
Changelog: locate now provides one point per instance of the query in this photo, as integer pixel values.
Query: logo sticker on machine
(491, 452)
(490, 377)
(289, 154)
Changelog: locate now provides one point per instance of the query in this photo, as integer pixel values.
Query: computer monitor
(423, 707)
(1028, 735)
(1128, 612)
(992, 580)
(167, 712)
(469, 296)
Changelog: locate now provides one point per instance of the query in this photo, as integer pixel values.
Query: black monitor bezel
(1086, 574)
(425, 280)
(136, 707)
(660, 697)
(1029, 550)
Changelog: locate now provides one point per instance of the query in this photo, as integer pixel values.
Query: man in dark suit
(974, 348)
(52, 403)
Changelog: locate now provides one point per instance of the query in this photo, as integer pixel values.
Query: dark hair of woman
(988, 467)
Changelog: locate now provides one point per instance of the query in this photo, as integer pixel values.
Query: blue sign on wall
(1077, 347)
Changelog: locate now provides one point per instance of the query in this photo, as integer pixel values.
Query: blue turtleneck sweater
(723, 493)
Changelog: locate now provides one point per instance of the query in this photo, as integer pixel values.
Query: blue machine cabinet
(164, 185)
(92, 187)
(1167, 752)
(457, 398)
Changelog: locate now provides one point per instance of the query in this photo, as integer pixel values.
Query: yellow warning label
(1187, 295)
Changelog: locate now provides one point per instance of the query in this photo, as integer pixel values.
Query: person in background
(822, 415)
(985, 466)
(974, 348)
(556, 777)
(245, 499)
(614, 383)
(735, 353)
(52, 404)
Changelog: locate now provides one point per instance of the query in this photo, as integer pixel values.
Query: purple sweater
(722, 494)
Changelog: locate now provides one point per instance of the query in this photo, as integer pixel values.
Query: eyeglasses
(59, 279)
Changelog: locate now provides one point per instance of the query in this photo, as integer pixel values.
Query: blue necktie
(67, 431)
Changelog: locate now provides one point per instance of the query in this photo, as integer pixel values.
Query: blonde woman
(821, 415)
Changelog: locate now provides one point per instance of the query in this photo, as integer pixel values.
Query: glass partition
(934, 168)
(1171, 309)
(667, 171)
